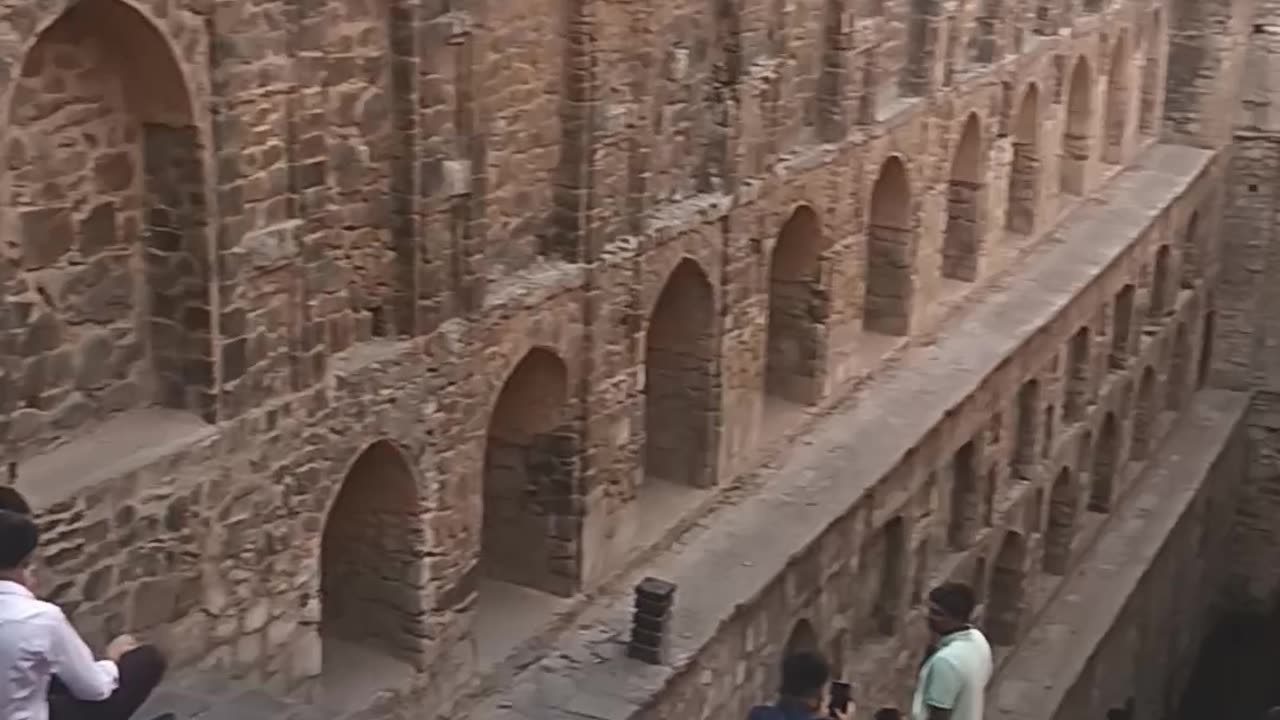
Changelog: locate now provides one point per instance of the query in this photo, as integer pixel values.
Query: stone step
(207, 697)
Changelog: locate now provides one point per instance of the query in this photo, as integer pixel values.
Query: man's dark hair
(18, 539)
(804, 674)
(12, 500)
(955, 598)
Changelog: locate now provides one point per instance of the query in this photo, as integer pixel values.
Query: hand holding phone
(841, 698)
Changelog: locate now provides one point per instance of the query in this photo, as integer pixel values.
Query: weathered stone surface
(468, 301)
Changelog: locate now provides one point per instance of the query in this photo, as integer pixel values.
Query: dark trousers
(140, 671)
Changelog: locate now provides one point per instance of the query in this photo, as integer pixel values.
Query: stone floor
(208, 698)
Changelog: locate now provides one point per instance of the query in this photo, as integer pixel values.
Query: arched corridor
(1144, 417)
(1106, 461)
(1117, 113)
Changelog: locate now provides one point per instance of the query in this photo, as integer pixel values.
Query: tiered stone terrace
(364, 352)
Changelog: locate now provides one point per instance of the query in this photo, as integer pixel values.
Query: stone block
(46, 235)
(456, 178)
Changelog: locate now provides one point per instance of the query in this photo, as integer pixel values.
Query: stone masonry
(367, 353)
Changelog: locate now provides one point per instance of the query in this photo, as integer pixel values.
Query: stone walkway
(207, 698)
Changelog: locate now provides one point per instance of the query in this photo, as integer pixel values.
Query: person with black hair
(47, 672)
(953, 680)
(803, 695)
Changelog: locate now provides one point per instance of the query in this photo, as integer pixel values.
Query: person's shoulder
(764, 712)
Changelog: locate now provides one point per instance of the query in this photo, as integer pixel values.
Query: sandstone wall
(528, 257)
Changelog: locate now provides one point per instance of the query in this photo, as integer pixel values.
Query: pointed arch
(1117, 114)
(1024, 173)
(1191, 253)
(1144, 416)
(962, 238)
(1062, 524)
(1159, 304)
(680, 408)
(893, 577)
(1028, 416)
(371, 597)
(798, 307)
(1078, 129)
(106, 179)
(1106, 461)
(1175, 388)
(1008, 588)
(1152, 87)
(890, 283)
(530, 532)
(1078, 366)
(1122, 326)
(965, 498)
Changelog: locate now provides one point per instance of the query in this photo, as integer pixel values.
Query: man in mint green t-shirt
(953, 680)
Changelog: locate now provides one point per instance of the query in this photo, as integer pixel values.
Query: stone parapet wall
(1079, 661)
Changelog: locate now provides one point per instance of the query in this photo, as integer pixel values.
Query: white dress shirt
(36, 643)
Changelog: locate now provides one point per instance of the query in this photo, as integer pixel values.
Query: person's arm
(941, 689)
(73, 663)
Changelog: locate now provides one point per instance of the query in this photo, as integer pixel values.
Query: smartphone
(841, 695)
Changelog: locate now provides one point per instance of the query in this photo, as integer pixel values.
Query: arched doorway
(1024, 448)
(1106, 460)
(1122, 327)
(1008, 587)
(1159, 304)
(1078, 365)
(1077, 129)
(1178, 370)
(1117, 116)
(532, 521)
(1144, 417)
(106, 197)
(1191, 252)
(372, 579)
(965, 499)
(891, 253)
(680, 412)
(893, 577)
(1024, 173)
(962, 240)
(796, 337)
(1062, 524)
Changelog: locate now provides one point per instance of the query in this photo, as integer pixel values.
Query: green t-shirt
(955, 677)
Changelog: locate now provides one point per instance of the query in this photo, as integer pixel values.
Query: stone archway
(1077, 130)
(680, 410)
(106, 204)
(893, 577)
(1117, 115)
(1191, 253)
(1106, 461)
(890, 283)
(1060, 533)
(1078, 366)
(1024, 173)
(798, 307)
(1008, 588)
(803, 638)
(532, 518)
(966, 500)
(1148, 114)
(1122, 327)
(1144, 416)
(962, 239)
(372, 579)
(1028, 415)
(1176, 384)
(1159, 304)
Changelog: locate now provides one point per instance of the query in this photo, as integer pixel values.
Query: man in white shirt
(46, 670)
(953, 680)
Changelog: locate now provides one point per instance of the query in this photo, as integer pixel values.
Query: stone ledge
(118, 447)
(1034, 683)
(845, 456)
